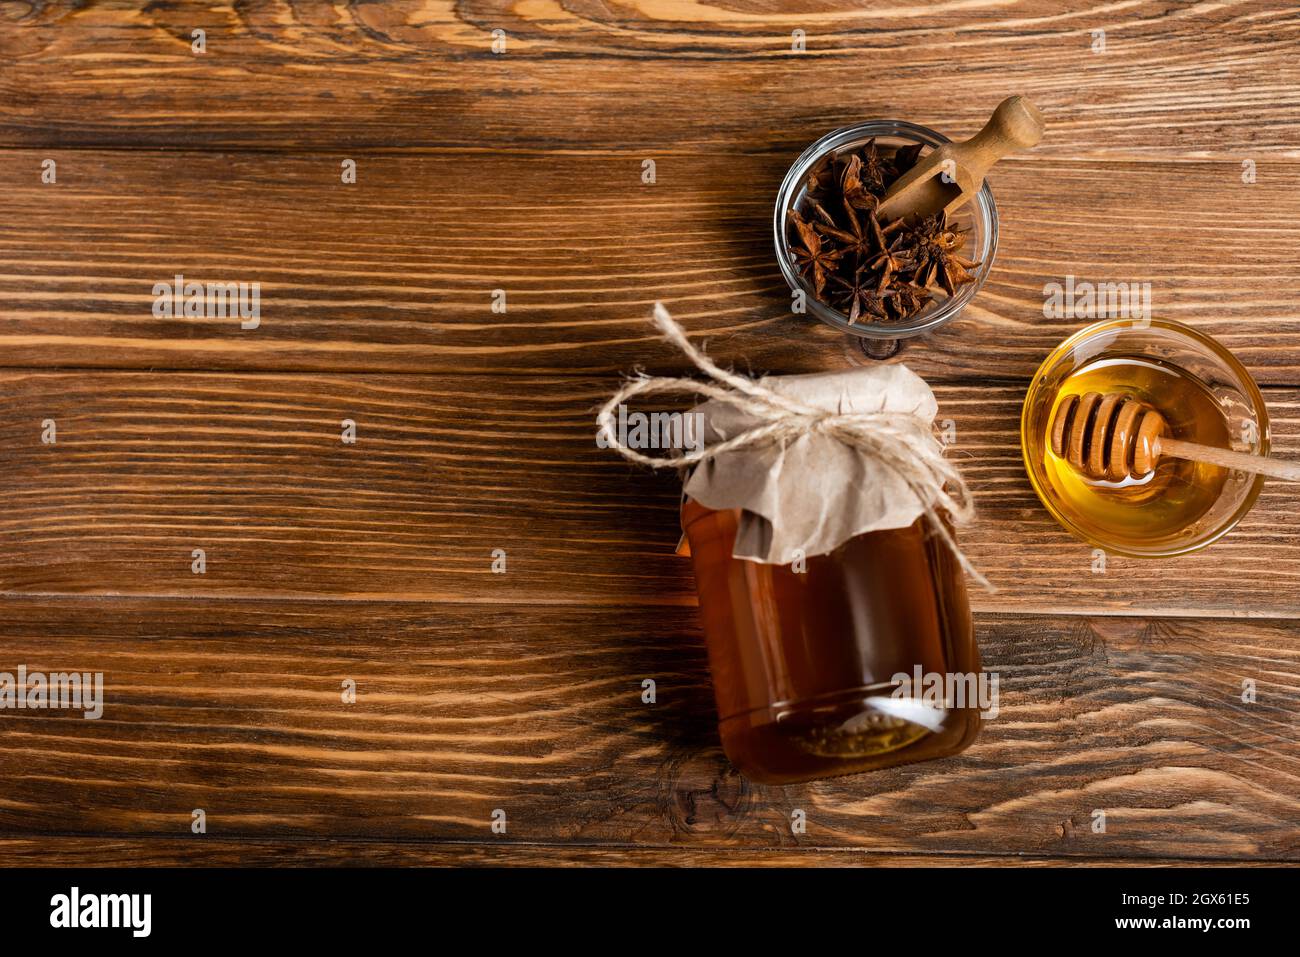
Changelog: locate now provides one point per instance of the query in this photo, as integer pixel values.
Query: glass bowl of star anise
(873, 279)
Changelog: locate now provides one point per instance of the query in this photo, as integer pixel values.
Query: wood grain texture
(235, 707)
(1175, 80)
(522, 172)
(446, 469)
(212, 851)
(397, 272)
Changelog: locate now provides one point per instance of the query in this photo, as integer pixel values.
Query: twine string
(901, 441)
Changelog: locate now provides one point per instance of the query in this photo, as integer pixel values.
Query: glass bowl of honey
(1206, 397)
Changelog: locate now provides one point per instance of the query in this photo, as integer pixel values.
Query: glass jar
(979, 217)
(804, 663)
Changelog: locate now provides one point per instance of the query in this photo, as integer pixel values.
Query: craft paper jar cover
(812, 492)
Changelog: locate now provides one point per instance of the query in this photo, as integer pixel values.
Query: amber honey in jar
(804, 661)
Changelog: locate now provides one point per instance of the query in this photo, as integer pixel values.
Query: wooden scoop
(1015, 125)
(1113, 436)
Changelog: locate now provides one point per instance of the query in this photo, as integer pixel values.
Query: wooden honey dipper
(1115, 435)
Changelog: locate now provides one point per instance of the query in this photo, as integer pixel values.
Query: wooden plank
(398, 272)
(235, 707)
(209, 851)
(447, 469)
(521, 172)
(1200, 79)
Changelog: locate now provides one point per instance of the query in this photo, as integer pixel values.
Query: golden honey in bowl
(1137, 510)
(1205, 400)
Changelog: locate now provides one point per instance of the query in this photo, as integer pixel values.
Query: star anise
(826, 218)
(905, 158)
(956, 273)
(908, 299)
(936, 260)
(893, 257)
(860, 296)
(855, 239)
(875, 167)
(823, 178)
(869, 270)
(855, 191)
(816, 259)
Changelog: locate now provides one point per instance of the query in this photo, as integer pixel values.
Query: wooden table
(372, 563)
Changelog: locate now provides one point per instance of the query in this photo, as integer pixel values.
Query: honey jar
(819, 511)
(806, 657)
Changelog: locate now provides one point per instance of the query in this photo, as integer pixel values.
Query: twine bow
(903, 442)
